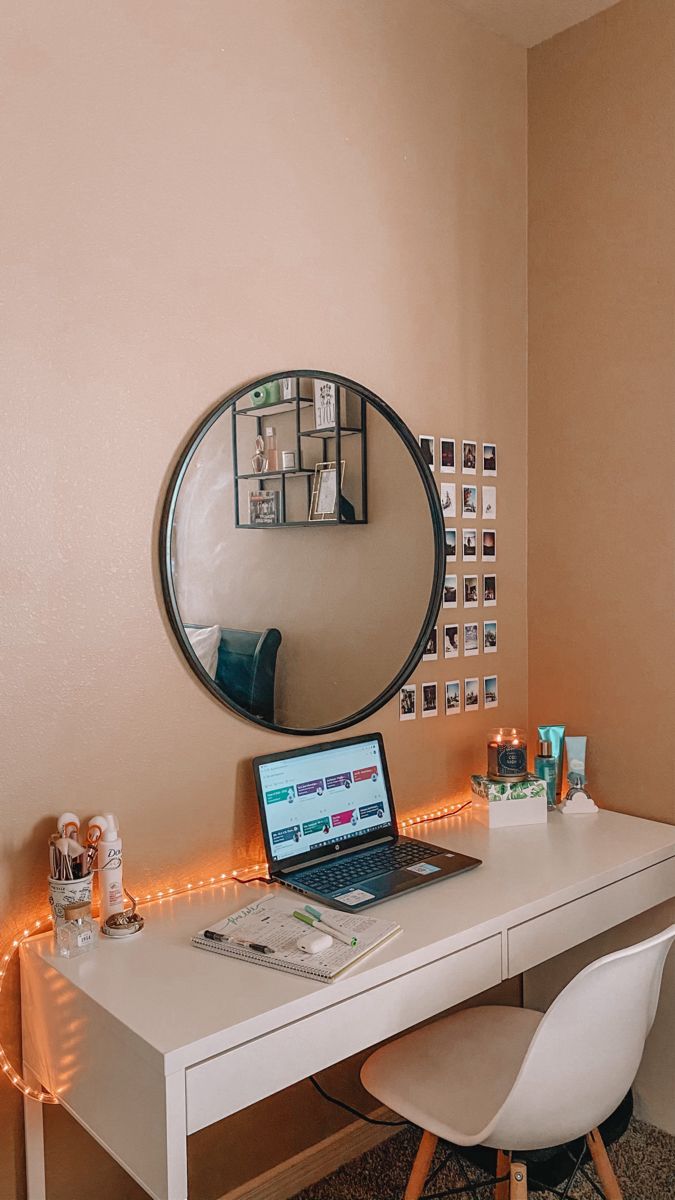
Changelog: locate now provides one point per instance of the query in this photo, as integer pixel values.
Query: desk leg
(34, 1141)
(176, 1138)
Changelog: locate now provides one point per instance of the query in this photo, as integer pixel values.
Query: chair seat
(452, 1077)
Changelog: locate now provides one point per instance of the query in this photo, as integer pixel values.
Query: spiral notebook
(270, 922)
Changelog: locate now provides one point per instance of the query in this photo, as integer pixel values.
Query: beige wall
(601, 386)
(200, 195)
(601, 381)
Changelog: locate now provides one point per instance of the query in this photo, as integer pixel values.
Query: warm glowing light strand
(5, 1064)
(236, 876)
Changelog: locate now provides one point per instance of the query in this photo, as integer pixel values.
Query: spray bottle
(110, 890)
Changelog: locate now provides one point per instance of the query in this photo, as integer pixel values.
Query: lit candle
(507, 754)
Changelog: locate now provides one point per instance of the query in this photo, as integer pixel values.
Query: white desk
(150, 1040)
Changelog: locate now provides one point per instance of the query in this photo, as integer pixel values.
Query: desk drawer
(552, 933)
(267, 1064)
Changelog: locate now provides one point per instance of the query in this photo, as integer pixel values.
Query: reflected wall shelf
(297, 431)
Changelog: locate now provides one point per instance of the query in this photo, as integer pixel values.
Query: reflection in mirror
(301, 589)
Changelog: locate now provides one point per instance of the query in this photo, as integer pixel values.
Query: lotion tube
(555, 735)
(110, 890)
(576, 759)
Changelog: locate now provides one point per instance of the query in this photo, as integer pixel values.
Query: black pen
(222, 937)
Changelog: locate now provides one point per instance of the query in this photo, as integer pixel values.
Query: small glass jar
(507, 754)
(79, 933)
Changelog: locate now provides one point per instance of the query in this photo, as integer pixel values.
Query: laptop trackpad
(392, 881)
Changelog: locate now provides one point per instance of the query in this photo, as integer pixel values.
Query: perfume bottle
(545, 767)
(258, 460)
(271, 452)
(79, 933)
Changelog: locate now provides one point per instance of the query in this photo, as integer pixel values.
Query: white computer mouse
(314, 943)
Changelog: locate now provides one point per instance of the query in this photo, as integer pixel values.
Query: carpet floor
(644, 1161)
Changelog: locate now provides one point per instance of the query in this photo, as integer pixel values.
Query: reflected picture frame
(263, 508)
(323, 503)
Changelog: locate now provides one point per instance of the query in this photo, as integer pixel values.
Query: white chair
(512, 1078)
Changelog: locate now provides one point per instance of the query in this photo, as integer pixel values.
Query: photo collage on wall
(470, 579)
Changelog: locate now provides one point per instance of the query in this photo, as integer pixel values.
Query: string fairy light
(162, 894)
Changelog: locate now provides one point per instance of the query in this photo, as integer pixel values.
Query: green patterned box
(489, 789)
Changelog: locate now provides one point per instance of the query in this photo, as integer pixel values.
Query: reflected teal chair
(247, 667)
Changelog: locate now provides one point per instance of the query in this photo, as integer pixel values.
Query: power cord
(470, 1187)
(348, 1108)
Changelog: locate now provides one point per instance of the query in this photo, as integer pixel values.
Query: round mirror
(302, 552)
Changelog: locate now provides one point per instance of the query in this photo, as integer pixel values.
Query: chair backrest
(246, 669)
(586, 1051)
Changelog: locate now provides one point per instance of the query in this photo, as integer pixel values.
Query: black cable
(471, 1188)
(442, 816)
(462, 1166)
(461, 1191)
(348, 1108)
(577, 1165)
(593, 1184)
(443, 1163)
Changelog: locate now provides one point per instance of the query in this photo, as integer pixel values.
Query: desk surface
(184, 1004)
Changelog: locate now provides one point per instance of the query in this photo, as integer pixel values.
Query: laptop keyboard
(330, 877)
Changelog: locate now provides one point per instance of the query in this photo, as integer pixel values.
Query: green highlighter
(311, 916)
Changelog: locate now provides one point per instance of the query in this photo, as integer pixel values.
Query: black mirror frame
(166, 524)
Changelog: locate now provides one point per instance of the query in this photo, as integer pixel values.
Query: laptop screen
(324, 797)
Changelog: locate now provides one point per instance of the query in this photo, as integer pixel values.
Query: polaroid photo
(469, 545)
(448, 500)
(450, 592)
(489, 545)
(489, 458)
(447, 456)
(451, 545)
(469, 454)
(451, 641)
(453, 698)
(471, 591)
(471, 639)
(489, 637)
(490, 691)
(431, 648)
(489, 591)
(428, 448)
(429, 700)
(489, 502)
(471, 695)
(469, 501)
(408, 702)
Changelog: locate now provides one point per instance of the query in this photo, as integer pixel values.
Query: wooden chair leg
(605, 1171)
(421, 1166)
(503, 1168)
(518, 1181)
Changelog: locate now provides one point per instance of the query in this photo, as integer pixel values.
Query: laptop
(330, 830)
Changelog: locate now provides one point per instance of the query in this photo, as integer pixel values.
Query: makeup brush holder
(68, 891)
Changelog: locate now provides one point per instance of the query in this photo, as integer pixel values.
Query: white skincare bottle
(110, 891)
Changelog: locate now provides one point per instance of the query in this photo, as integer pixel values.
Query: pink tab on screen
(343, 818)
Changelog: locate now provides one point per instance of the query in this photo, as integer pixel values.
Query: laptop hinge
(316, 862)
